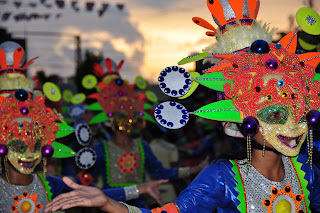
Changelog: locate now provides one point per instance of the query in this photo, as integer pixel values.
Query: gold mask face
(122, 123)
(281, 130)
(24, 158)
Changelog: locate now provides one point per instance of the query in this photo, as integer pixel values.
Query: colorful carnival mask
(120, 103)
(262, 84)
(28, 127)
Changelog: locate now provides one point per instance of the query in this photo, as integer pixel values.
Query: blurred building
(5, 36)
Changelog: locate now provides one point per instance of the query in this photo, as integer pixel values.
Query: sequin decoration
(26, 203)
(174, 81)
(263, 114)
(83, 134)
(276, 87)
(127, 162)
(42, 126)
(310, 20)
(8, 192)
(86, 158)
(76, 111)
(171, 115)
(280, 83)
(131, 104)
(283, 200)
(258, 187)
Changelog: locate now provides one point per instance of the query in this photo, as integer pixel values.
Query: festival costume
(121, 105)
(267, 88)
(27, 126)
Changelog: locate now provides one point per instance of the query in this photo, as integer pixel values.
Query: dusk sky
(148, 34)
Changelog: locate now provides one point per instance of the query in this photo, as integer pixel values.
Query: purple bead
(141, 114)
(110, 114)
(272, 64)
(250, 126)
(246, 67)
(313, 119)
(120, 93)
(3, 150)
(24, 110)
(47, 151)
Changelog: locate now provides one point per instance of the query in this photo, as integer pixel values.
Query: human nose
(29, 154)
(293, 126)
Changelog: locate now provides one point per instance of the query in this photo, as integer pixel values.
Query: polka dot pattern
(174, 81)
(171, 115)
(86, 158)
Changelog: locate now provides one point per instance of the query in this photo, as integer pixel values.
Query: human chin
(283, 138)
(22, 164)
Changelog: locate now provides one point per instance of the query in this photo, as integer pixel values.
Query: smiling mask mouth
(27, 164)
(291, 142)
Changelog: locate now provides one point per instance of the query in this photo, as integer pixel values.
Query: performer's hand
(84, 196)
(152, 189)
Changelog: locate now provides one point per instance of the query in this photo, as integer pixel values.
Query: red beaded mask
(26, 118)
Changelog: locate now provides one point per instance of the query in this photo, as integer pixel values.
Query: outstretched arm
(84, 196)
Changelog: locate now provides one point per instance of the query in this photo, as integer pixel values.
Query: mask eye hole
(18, 146)
(277, 115)
(274, 114)
(211, 1)
(37, 146)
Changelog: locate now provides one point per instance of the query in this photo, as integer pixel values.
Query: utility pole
(77, 39)
(309, 3)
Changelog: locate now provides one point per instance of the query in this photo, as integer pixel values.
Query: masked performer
(273, 94)
(123, 161)
(28, 130)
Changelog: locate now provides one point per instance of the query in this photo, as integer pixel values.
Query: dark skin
(270, 165)
(17, 178)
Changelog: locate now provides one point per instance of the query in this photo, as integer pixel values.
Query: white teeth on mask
(293, 143)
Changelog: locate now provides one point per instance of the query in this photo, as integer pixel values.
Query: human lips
(291, 142)
(27, 164)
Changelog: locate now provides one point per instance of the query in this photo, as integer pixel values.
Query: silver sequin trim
(215, 110)
(258, 187)
(184, 172)
(132, 209)
(7, 191)
(227, 10)
(245, 9)
(117, 176)
(131, 192)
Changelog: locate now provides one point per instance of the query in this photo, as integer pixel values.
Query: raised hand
(152, 189)
(84, 196)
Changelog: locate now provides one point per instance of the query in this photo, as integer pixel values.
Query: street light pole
(76, 37)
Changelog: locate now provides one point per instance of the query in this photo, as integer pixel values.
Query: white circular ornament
(86, 158)
(83, 134)
(174, 81)
(171, 115)
(76, 110)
